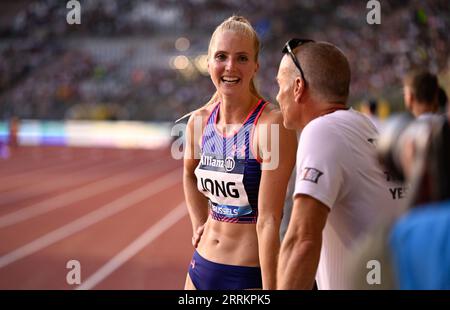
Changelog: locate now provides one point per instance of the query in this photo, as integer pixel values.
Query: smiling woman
(232, 64)
(233, 55)
(234, 201)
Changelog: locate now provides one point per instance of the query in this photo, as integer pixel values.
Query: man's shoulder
(339, 123)
(344, 115)
(333, 119)
(322, 126)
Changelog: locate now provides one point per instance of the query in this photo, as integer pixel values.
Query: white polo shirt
(337, 165)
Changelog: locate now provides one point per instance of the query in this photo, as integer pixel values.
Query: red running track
(119, 213)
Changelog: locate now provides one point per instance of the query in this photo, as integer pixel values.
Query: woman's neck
(234, 110)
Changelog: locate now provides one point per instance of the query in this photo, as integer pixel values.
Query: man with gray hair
(340, 188)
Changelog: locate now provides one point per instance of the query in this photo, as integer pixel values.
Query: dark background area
(120, 62)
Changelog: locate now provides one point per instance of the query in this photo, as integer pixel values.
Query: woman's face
(231, 63)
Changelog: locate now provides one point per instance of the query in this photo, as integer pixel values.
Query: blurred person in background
(370, 109)
(340, 187)
(443, 101)
(412, 251)
(420, 240)
(13, 141)
(235, 200)
(420, 89)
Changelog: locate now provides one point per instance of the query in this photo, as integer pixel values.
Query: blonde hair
(240, 25)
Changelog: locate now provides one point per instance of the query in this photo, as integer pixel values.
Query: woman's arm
(196, 202)
(272, 190)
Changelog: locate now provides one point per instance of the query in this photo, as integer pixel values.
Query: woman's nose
(229, 64)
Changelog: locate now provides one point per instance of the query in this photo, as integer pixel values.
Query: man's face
(407, 97)
(285, 95)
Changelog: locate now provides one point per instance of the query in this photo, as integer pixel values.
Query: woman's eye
(243, 58)
(220, 57)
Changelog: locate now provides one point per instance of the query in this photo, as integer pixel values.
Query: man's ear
(298, 89)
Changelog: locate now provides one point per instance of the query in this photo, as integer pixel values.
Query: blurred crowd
(44, 75)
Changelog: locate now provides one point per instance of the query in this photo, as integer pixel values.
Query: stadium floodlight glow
(181, 62)
(201, 63)
(182, 44)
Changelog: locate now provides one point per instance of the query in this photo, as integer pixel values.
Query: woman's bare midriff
(229, 243)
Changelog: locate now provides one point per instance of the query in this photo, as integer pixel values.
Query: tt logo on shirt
(311, 174)
(220, 188)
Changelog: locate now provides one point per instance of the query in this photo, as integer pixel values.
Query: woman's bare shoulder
(271, 115)
(201, 114)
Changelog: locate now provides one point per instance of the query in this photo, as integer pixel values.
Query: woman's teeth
(230, 80)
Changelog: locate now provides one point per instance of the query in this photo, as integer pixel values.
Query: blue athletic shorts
(206, 275)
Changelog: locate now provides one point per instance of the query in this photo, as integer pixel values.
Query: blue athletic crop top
(228, 173)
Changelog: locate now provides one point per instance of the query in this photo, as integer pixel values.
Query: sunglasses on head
(289, 48)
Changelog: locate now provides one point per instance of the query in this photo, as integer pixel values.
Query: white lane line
(105, 211)
(11, 181)
(72, 179)
(135, 247)
(55, 165)
(28, 155)
(78, 194)
(66, 180)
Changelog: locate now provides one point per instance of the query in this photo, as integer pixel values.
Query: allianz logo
(228, 163)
